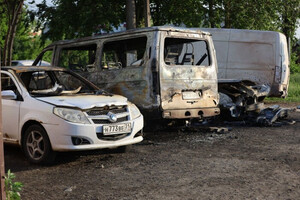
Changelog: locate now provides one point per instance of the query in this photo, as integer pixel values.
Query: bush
(12, 189)
(295, 68)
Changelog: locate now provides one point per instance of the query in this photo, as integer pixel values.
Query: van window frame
(114, 39)
(208, 47)
(40, 56)
(60, 48)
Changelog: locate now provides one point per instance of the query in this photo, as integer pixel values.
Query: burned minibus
(167, 72)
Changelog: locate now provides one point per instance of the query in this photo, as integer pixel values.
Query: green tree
(12, 10)
(289, 13)
(177, 12)
(79, 18)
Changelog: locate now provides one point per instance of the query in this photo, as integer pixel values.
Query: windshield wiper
(103, 92)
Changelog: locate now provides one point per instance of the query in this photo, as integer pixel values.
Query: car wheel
(36, 145)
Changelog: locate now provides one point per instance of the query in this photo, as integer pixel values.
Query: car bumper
(61, 135)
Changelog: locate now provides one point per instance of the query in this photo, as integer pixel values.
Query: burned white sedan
(49, 109)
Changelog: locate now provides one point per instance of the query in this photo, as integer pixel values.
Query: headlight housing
(71, 115)
(134, 111)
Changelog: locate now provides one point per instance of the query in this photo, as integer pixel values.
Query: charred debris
(242, 104)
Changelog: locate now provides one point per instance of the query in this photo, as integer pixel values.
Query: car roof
(129, 32)
(20, 69)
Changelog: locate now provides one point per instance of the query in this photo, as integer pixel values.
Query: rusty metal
(20, 69)
(2, 171)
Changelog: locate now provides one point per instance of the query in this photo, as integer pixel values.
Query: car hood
(85, 101)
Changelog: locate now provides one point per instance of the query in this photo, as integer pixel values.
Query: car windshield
(53, 83)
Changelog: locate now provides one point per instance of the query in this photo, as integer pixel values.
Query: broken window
(49, 83)
(186, 52)
(123, 53)
(39, 81)
(79, 58)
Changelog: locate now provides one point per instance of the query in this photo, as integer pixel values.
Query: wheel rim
(35, 145)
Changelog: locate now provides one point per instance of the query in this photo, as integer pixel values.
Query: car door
(10, 109)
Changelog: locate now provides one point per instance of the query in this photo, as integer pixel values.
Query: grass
(293, 92)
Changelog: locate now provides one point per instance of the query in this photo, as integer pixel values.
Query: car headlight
(134, 111)
(71, 115)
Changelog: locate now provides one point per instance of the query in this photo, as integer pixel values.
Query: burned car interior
(79, 58)
(123, 53)
(53, 83)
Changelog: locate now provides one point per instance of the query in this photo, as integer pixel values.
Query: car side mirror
(8, 95)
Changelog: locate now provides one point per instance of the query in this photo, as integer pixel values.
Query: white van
(258, 56)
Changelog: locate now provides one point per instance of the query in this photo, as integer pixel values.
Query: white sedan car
(48, 109)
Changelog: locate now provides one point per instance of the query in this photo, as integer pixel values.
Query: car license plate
(189, 95)
(116, 129)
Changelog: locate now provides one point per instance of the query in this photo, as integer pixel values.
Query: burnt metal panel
(175, 80)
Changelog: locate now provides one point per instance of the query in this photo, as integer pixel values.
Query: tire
(36, 145)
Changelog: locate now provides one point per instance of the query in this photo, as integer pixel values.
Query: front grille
(100, 136)
(105, 110)
(103, 121)
(101, 115)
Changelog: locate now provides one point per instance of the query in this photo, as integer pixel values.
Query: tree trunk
(130, 14)
(15, 21)
(147, 13)
(227, 13)
(211, 14)
(14, 10)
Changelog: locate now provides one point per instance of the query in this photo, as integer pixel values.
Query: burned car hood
(84, 101)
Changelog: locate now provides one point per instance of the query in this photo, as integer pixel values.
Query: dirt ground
(245, 163)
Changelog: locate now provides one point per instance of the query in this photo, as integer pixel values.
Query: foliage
(295, 67)
(177, 12)
(26, 46)
(294, 88)
(3, 24)
(12, 9)
(79, 18)
(293, 92)
(289, 13)
(12, 189)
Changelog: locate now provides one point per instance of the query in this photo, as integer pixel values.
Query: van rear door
(283, 71)
(188, 75)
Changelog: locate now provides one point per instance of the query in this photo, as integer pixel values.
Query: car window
(179, 51)
(40, 81)
(14, 63)
(52, 83)
(7, 83)
(71, 82)
(123, 53)
(79, 58)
